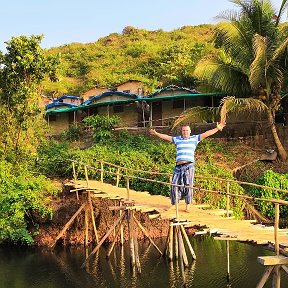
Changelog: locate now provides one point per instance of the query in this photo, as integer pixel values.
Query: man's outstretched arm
(160, 135)
(208, 133)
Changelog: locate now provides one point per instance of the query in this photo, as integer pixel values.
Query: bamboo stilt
(137, 259)
(180, 254)
(68, 224)
(131, 240)
(182, 248)
(188, 242)
(176, 243)
(146, 234)
(115, 239)
(171, 242)
(92, 217)
(86, 226)
(265, 277)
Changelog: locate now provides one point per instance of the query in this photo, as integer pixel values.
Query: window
(118, 108)
(52, 118)
(126, 91)
(178, 103)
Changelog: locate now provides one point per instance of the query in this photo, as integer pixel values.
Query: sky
(63, 22)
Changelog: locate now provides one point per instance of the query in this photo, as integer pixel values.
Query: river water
(60, 268)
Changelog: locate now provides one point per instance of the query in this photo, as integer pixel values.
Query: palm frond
(278, 52)
(231, 104)
(222, 74)
(281, 11)
(196, 115)
(258, 66)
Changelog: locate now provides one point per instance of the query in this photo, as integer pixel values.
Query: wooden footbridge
(218, 221)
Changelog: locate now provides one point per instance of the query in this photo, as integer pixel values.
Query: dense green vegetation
(23, 194)
(157, 58)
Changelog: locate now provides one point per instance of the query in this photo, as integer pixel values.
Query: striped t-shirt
(185, 147)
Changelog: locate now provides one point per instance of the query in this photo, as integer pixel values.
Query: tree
(22, 69)
(251, 58)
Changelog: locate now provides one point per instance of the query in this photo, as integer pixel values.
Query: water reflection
(34, 268)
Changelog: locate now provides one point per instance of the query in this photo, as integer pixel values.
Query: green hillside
(157, 58)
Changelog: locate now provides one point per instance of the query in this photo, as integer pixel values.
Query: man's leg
(174, 191)
(188, 179)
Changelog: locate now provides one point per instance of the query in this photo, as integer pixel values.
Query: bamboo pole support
(265, 277)
(276, 277)
(131, 240)
(180, 253)
(176, 242)
(92, 217)
(170, 243)
(137, 259)
(227, 199)
(102, 240)
(188, 242)
(115, 238)
(67, 225)
(121, 231)
(182, 248)
(86, 226)
(147, 235)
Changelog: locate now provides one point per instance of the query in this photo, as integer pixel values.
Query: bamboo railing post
(276, 228)
(227, 199)
(74, 172)
(86, 176)
(102, 171)
(118, 177)
(127, 188)
(176, 199)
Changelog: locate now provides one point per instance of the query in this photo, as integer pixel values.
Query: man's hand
(221, 125)
(152, 131)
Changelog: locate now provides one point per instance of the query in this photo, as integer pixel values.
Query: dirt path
(242, 230)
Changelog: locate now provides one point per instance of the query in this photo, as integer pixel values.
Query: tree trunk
(282, 152)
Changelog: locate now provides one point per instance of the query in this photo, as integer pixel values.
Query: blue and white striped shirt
(185, 147)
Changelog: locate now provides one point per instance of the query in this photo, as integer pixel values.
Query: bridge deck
(242, 230)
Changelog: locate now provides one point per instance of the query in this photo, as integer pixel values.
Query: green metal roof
(148, 99)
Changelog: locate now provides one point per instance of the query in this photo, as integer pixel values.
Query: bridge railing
(127, 173)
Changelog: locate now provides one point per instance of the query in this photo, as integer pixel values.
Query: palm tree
(250, 61)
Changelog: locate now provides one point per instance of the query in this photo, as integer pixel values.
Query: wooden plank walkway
(158, 206)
